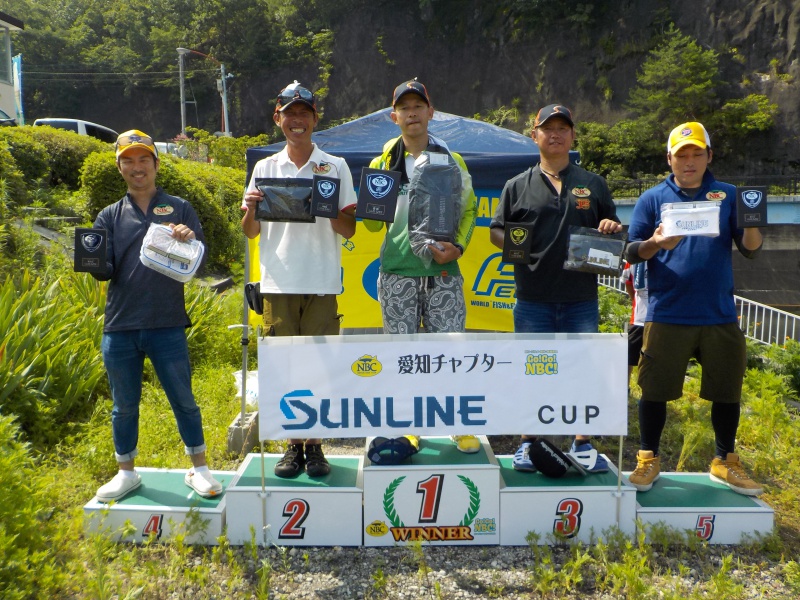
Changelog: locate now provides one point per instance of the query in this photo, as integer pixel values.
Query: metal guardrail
(777, 185)
(759, 322)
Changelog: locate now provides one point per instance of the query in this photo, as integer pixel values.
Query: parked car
(82, 127)
(171, 148)
(6, 120)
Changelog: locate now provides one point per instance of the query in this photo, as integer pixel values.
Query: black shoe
(291, 465)
(316, 463)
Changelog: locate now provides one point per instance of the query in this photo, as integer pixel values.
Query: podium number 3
(569, 512)
(431, 490)
(297, 511)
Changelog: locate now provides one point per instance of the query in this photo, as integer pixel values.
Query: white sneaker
(203, 483)
(118, 487)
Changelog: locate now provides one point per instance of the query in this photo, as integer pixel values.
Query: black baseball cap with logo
(410, 87)
(293, 93)
(553, 110)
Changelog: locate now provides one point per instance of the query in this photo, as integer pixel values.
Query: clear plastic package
(285, 199)
(591, 251)
(436, 202)
(173, 258)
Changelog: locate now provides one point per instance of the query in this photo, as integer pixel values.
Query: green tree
(678, 81)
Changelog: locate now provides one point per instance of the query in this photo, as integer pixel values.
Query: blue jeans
(123, 355)
(551, 317)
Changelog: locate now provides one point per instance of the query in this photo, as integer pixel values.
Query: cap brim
(150, 149)
(295, 101)
(684, 143)
(410, 91)
(564, 118)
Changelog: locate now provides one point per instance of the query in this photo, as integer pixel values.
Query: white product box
(690, 218)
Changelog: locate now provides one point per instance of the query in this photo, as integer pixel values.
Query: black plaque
(517, 243)
(325, 197)
(377, 194)
(751, 206)
(90, 250)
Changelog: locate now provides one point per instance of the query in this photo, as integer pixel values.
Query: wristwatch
(460, 247)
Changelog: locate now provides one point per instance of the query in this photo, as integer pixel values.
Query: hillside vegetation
(111, 63)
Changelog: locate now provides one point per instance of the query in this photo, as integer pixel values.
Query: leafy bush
(224, 151)
(66, 152)
(31, 567)
(29, 155)
(14, 182)
(50, 361)
(103, 185)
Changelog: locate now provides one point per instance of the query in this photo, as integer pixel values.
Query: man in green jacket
(420, 283)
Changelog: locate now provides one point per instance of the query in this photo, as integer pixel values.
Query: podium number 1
(431, 490)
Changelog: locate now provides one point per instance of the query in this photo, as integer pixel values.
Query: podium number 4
(297, 511)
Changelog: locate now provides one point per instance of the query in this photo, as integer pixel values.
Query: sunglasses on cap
(297, 92)
(129, 140)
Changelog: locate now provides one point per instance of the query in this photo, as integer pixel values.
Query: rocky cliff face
(474, 59)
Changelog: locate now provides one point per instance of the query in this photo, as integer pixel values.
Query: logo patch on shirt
(163, 209)
(583, 204)
(322, 168)
(581, 192)
(716, 195)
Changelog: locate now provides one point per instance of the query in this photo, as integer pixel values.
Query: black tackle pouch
(285, 200)
(590, 251)
(252, 293)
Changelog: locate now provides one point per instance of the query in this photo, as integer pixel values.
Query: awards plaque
(751, 206)
(377, 194)
(90, 250)
(325, 197)
(517, 243)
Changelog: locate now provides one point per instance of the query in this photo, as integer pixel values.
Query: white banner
(442, 384)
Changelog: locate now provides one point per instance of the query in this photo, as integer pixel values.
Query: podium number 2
(431, 490)
(568, 522)
(297, 511)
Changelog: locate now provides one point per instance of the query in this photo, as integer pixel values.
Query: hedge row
(215, 192)
(44, 158)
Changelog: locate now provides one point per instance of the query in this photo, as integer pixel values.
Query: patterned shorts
(435, 302)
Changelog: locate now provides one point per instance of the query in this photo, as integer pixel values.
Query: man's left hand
(181, 232)
(609, 226)
(449, 253)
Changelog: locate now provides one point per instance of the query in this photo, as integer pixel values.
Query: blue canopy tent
(493, 154)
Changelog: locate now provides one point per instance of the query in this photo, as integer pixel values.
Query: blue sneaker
(522, 459)
(589, 458)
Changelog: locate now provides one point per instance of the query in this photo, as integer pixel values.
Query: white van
(82, 127)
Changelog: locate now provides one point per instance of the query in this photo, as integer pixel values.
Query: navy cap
(553, 110)
(409, 87)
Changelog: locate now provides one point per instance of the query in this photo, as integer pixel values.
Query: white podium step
(570, 507)
(440, 497)
(162, 506)
(692, 502)
(305, 511)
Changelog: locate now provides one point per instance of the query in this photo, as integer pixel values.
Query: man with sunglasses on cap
(145, 315)
(690, 309)
(300, 262)
(550, 197)
(422, 285)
